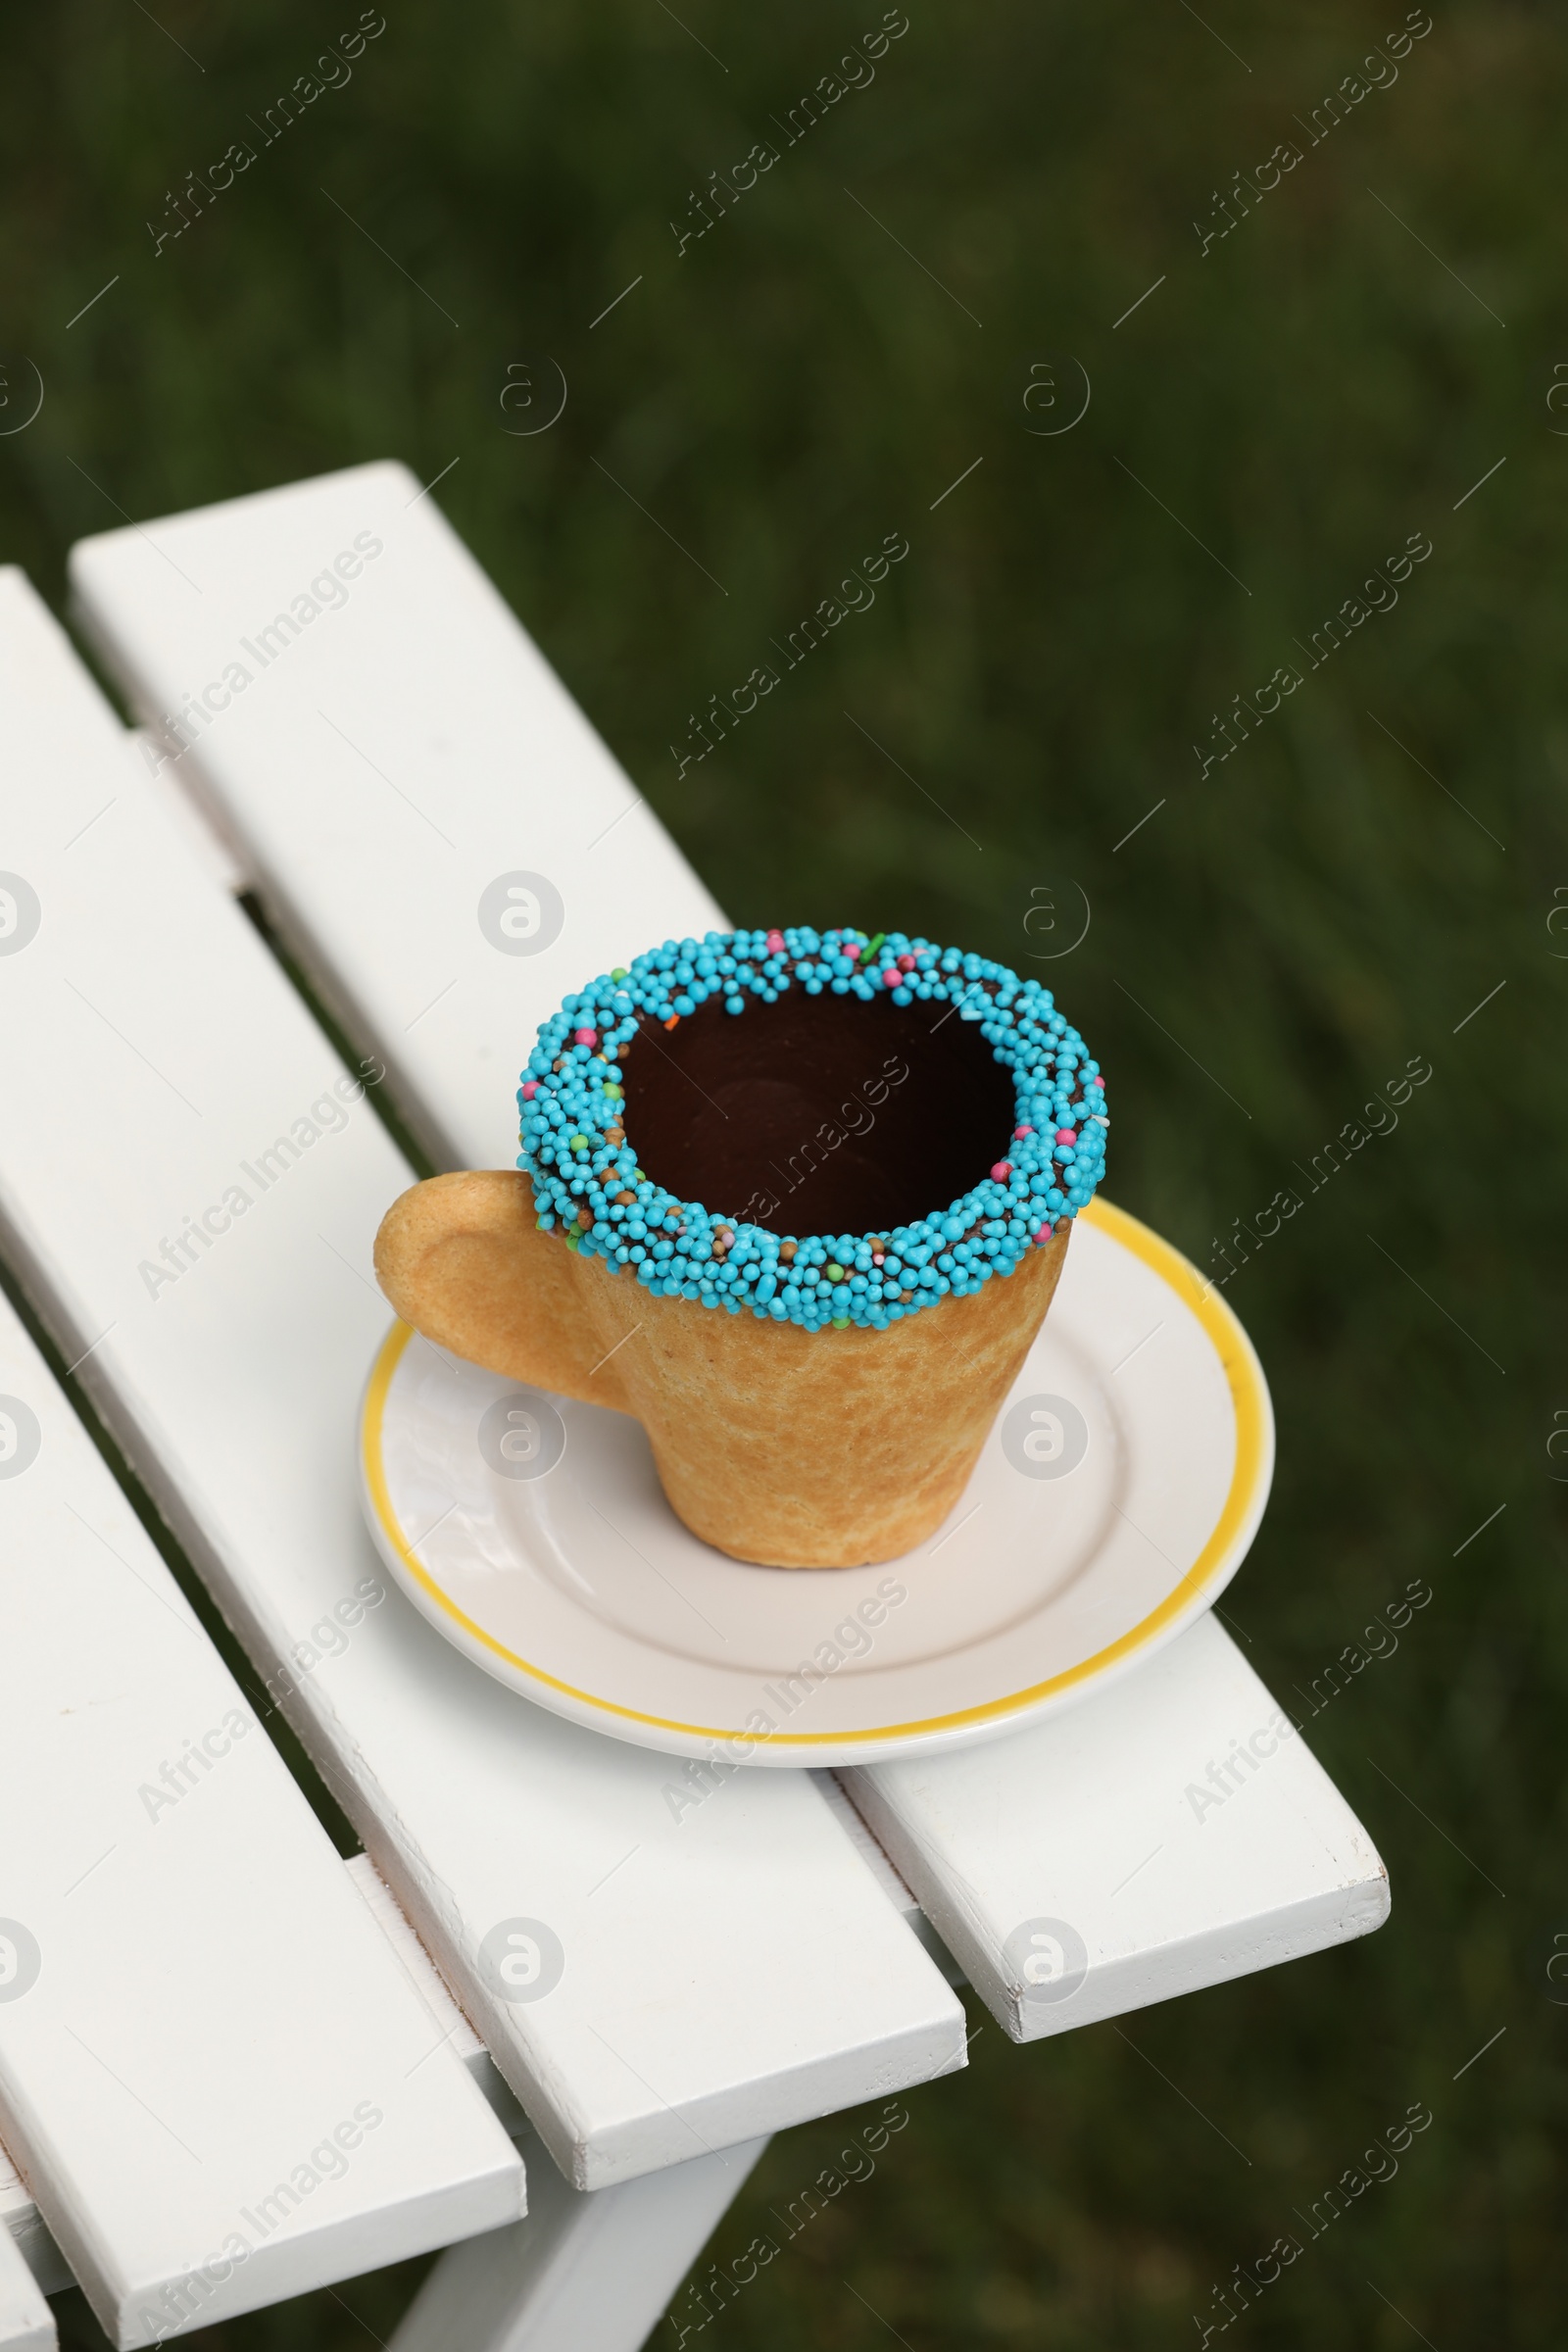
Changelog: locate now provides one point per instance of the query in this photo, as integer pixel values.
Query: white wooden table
(202, 2008)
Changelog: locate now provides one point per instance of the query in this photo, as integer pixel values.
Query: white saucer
(1115, 1498)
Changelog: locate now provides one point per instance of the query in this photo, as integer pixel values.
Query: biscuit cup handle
(462, 1258)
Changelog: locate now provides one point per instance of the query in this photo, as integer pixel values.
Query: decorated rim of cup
(589, 1186)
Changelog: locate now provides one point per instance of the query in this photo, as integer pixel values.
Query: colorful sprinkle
(588, 1185)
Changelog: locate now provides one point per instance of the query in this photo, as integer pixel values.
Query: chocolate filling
(817, 1115)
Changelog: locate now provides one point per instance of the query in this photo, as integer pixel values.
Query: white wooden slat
(27, 2324)
(581, 2270)
(466, 2042)
(20, 2218)
(724, 1974)
(161, 1876)
(23, 2225)
(422, 615)
(1172, 1833)
(384, 767)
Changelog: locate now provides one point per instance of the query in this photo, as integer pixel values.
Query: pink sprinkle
(584, 1036)
(1044, 1235)
(1067, 1134)
(1019, 1133)
(775, 943)
(1003, 1170)
(892, 979)
(1100, 1082)
(530, 1090)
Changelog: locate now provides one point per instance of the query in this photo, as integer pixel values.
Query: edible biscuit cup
(797, 1201)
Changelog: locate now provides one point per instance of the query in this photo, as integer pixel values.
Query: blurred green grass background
(1266, 950)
